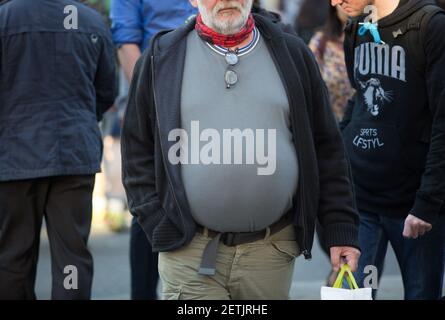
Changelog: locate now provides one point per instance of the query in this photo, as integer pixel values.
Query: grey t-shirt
(228, 193)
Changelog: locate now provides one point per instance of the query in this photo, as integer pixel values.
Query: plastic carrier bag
(338, 293)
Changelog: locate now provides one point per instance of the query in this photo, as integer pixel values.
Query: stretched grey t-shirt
(228, 193)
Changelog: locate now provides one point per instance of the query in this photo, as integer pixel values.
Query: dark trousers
(66, 204)
(421, 260)
(144, 265)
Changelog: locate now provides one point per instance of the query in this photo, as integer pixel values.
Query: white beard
(225, 26)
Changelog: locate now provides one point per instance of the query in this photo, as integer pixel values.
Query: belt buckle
(227, 238)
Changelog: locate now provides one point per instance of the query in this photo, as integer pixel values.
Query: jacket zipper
(307, 254)
(160, 144)
(304, 251)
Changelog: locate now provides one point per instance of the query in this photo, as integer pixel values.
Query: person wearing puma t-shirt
(395, 137)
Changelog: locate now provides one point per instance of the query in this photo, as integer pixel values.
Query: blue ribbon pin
(373, 29)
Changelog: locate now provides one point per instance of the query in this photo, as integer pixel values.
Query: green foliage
(103, 6)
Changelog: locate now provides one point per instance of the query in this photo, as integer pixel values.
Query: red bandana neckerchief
(226, 41)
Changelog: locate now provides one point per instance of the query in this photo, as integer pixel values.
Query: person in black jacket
(228, 226)
(394, 134)
(57, 74)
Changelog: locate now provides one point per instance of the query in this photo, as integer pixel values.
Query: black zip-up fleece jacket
(155, 192)
(395, 128)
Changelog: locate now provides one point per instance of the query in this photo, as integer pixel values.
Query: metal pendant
(231, 58)
(231, 78)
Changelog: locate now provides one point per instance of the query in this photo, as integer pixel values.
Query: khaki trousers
(260, 270)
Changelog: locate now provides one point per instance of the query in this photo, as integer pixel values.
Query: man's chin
(226, 15)
(229, 26)
(355, 14)
(228, 31)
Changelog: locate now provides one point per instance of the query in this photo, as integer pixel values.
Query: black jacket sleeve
(431, 194)
(105, 80)
(337, 212)
(138, 150)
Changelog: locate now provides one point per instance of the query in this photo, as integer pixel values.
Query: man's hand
(415, 227)
(350, 254)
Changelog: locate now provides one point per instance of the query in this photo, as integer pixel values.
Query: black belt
(232, 239)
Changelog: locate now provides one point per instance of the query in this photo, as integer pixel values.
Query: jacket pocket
(376, 155)
(149, 216)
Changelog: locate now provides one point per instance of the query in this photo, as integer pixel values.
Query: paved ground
(111, 281)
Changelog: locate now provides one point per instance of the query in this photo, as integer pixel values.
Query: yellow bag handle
(349, 277)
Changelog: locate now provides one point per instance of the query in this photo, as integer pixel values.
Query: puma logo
(375, 96)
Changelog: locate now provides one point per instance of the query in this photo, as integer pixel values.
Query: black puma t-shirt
(387, 137)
